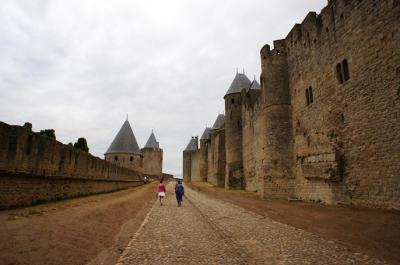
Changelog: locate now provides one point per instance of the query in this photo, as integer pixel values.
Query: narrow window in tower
(131, 158)
(345, 66)
(115, 158)
(339, 75)
(310, 95)
(232, 101)
(307, 97)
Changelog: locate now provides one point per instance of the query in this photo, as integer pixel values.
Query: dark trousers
(179, 197)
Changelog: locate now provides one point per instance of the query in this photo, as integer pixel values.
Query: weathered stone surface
(312, 131)
(37, 168)
(152, 161)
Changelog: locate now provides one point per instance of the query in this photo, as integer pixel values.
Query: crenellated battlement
(300, 92)
(317, 30)
(279, 49)
(324, 124)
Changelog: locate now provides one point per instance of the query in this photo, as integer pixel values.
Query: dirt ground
(92, 229)
(373, 232)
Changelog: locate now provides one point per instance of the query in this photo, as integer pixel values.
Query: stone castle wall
(132, 161)
(187, 166)
(218, 160)
(38, 168)
(195, 166)
(342, 146)
(152, 162)
(325, 124)
(204, 146)
(347, 141)
(233, 139)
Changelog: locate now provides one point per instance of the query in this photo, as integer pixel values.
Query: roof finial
(127, 116)
(254, 77)
(152, 131)
(237, 70)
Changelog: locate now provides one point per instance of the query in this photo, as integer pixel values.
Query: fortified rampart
(36, 168)
(195, 166)
(347, 135)
(188, 153)
(218, 158)
(152, 161)
(324, 123)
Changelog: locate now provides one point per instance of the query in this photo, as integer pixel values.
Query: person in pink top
(161, 191)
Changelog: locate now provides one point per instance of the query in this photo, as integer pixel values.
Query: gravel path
(207, 231)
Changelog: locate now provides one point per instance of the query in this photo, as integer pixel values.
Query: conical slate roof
(125, 141)
(152, 142)
(219, 122)
(239, 82)
(255, 85)
(192, 145)
(206, 134)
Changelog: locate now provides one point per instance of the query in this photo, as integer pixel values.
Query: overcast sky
(80, 66)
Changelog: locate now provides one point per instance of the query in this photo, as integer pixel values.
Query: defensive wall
(195, 166)
(36, 168)
(324, 125)
(152, 162)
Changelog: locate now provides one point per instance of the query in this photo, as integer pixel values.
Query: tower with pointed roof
(233, 132)
(152, 157)
(205, 142)
(124, 149)
(191, 148)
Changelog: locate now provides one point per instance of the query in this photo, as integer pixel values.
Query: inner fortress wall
(343, 146)
(325, 124)
(195, 166)
(187, 166)
(37, 168)
(252, 144)
(204, 146)
(152, 162)
(233, 139)
(347, 141)
(218, 159)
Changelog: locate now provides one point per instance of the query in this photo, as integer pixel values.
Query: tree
(28, 126)
(49, 133)
(82, 145)
(70, 144)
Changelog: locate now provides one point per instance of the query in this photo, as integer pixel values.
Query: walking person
(179, 192)
(161, 191)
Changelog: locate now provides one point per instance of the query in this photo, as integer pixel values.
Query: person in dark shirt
(179, 192)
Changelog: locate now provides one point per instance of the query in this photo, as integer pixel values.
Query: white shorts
(161, 194)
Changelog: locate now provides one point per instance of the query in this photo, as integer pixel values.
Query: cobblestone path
(207, 231)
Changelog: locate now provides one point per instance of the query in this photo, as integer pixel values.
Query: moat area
(213, 227)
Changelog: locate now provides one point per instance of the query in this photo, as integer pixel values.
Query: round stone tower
(152, 158)
(277, 165)
(124, 149)
(233, 132)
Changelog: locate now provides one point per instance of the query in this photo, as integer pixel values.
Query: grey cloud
(80, 66)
